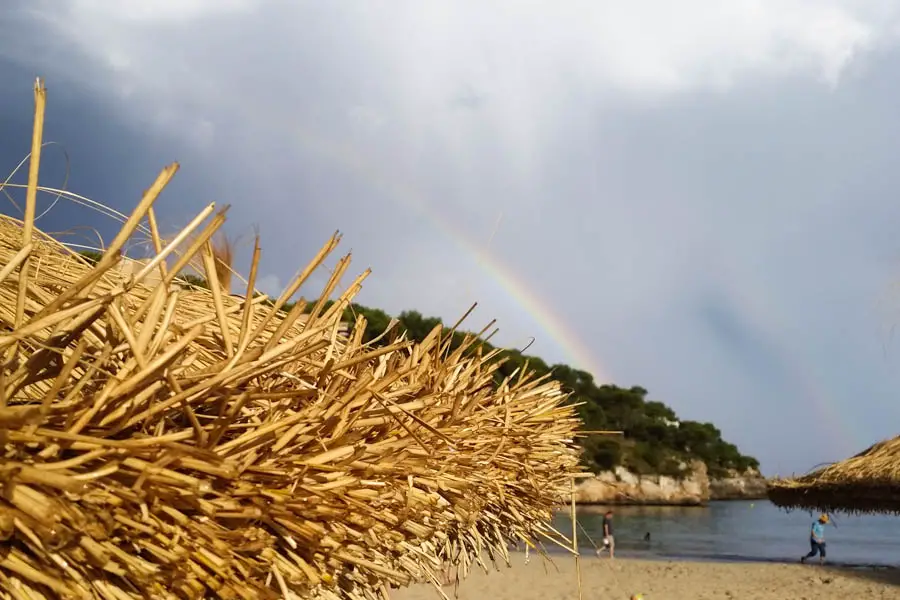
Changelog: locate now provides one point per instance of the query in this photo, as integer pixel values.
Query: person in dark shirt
(609, 540)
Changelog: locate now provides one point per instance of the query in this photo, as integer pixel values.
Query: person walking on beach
(609, 541)
(817, 540)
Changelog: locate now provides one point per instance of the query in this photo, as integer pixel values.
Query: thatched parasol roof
(866, 483)
(167, 443)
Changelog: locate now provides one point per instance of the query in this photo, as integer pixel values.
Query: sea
(746, 531)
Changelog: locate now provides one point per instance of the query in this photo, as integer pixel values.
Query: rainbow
(578, 354)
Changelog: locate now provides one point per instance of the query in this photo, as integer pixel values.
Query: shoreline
(664, 580)
(653, 503)
(645, 555)
(768, 535)
(588, 554)
(656, 504)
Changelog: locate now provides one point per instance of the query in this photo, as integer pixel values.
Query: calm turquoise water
(742, 531)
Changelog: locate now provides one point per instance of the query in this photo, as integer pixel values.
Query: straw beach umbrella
(866, 483)
(164, 442)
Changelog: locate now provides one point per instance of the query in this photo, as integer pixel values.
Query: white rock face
(621, 486)
(738, 486)
(624, 487)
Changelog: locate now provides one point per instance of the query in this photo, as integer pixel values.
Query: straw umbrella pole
(575, 539)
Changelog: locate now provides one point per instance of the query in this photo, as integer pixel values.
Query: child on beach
(817, 540)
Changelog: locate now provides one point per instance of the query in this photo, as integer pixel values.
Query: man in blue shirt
(817, 540)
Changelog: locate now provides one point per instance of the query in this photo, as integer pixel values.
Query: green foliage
(92, 256)
(601, 453)
(194, 280)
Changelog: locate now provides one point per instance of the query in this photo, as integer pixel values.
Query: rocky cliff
(621, 486)
(749, 485)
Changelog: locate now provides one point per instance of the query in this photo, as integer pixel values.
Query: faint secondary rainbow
(807, 382)
(850, 439)
(579, 355)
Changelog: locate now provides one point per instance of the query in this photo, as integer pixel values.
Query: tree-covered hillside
(655, 440)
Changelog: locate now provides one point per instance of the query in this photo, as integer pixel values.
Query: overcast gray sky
(696, 197)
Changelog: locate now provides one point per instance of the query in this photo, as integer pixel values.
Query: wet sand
(619, 579)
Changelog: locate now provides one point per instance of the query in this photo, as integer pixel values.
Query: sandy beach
(659, 580)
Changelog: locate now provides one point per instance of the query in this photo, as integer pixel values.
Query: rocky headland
(696, 488)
